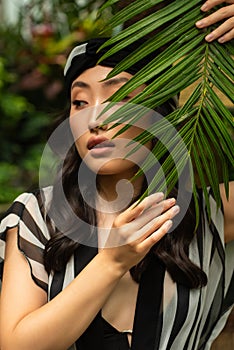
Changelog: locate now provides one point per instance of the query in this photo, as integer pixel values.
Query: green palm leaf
(203, 122)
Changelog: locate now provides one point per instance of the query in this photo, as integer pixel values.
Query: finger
(159, 221)
(155, 236)
(136, 209)
(217, 16)
(212, 3)
(148, 201)
(153, 225)
(224, 32)
(227, 37)
(152, 213)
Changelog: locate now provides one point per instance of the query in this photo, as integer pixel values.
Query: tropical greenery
(186, 60)
(33, 54)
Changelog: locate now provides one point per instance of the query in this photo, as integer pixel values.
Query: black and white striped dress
(168, 315)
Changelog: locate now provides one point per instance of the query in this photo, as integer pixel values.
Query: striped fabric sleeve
(26, 216)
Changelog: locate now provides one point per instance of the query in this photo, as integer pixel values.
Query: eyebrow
(109, 82)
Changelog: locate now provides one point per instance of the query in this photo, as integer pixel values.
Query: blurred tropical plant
(44, 18)
(185, 60)
(21, 139)
(33, 52)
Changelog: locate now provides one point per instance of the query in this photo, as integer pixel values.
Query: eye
(78, 104)
(126, 98)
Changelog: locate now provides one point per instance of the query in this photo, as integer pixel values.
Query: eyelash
(77, 103)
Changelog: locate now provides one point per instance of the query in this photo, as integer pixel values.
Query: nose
(97, 121)
(97, 125)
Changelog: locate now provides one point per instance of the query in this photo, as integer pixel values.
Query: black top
(113, 339)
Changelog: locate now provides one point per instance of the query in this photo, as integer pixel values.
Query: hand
(138, 228)
(225, 32)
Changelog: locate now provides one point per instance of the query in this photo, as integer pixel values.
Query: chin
(127, 170)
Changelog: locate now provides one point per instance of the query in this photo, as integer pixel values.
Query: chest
(119, 309)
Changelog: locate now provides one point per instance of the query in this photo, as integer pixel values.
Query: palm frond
(203, 121)
(133, 9)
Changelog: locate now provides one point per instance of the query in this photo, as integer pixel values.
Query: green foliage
(33, 53)
(21, 142)
(203, 122)
(9, 181)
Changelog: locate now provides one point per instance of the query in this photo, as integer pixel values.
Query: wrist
(111, 264)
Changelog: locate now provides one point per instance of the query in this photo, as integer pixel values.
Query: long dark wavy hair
(172, 249)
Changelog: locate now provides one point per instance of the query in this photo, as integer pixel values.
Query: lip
(95, 141)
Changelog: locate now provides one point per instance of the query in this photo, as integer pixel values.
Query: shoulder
(228, 211)
(28, 212)
(26, 220)
(29, 208)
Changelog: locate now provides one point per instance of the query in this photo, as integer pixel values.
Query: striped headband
(86, 55)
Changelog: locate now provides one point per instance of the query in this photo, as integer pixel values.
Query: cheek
(79, 122)
(71, 112)
(80, 144)
(134, 132)
(79, 135)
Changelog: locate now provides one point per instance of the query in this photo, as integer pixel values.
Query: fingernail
(168, 224)
(209, 37)
(160, 196)
(170, 200)
(221, 40)
(199, 23)
(175, 210)
(204, 7)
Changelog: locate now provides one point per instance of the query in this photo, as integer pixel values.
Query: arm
(29, 322)
(228, 206)
(225, 32)
(33, 323)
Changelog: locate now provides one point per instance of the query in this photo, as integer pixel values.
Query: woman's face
(99, 151)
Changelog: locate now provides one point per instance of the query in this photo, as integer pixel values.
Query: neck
(119, 189)
(115, 193)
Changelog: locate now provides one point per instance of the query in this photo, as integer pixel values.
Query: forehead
(99, 73)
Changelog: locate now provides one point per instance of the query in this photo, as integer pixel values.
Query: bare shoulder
(228, 207)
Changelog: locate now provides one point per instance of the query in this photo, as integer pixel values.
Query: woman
(73, 295)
